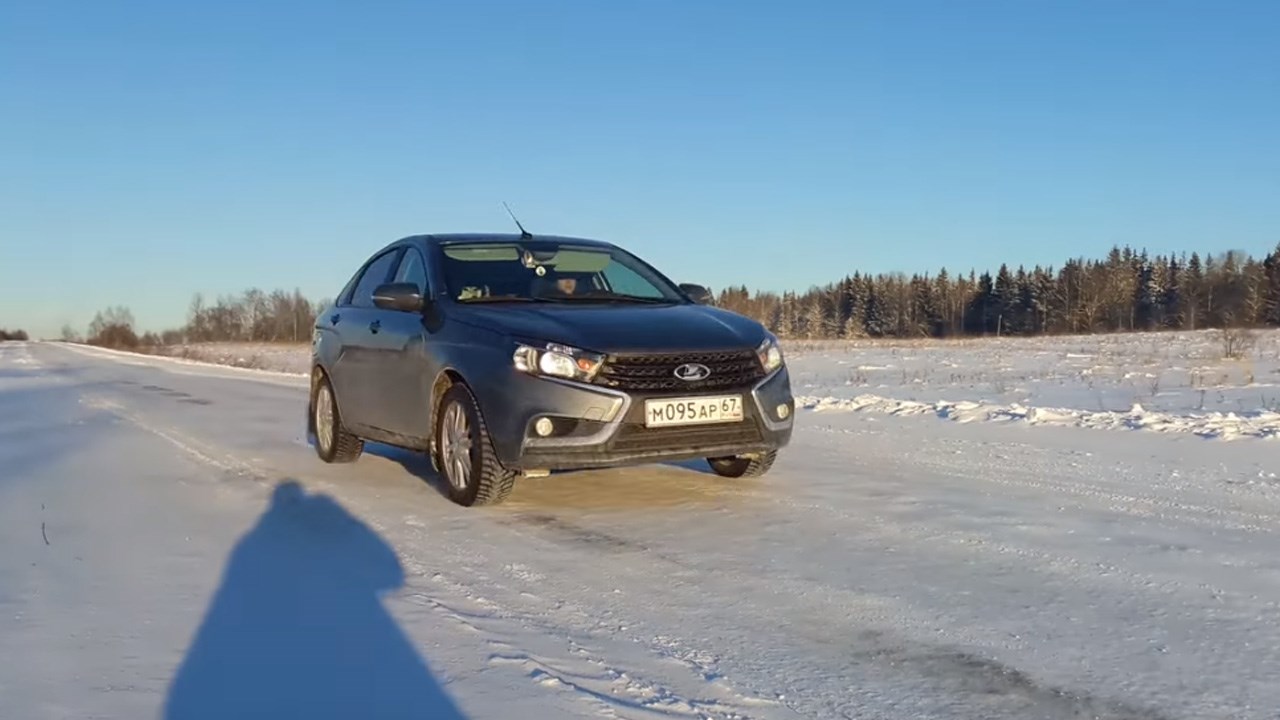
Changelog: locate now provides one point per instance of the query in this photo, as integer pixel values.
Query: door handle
(334, 318)
(373, 326)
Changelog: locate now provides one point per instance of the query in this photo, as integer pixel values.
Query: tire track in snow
(569, 631)
(890, 655)
(186, 444)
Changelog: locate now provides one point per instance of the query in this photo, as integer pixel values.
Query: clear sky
(152, 149)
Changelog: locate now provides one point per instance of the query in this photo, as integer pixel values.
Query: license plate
(693, 411)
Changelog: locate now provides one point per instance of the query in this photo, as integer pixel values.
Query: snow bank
(1218, 425)
(211, 366)
(294, 359)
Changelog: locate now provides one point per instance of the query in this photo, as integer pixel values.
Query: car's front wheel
(333, 443)
(736, 466)
(466, 456)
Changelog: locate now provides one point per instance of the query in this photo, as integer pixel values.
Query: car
(510, 355)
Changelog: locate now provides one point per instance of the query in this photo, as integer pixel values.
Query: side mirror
(697, 293)
(405, 297)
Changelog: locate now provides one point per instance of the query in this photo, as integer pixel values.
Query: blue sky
(152, 149)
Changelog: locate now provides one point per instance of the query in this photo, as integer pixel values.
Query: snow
(276, 357)
(997, 529)
(1228, 426)
(1177, 372)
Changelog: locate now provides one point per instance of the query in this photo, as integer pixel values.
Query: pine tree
(1191, 284)
(1047, 299)
(1254, 283)
(1171, 299)
(929, 317)
(1205, 313)
(1271, 291)
(980, 319)
(944, 297)
(1145, 297)
(1004, 302)
(859, 290)
(844, 303)
(874, 317)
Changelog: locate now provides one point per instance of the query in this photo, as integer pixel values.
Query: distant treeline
(12, 335)
(254, 315)
(1127, 291)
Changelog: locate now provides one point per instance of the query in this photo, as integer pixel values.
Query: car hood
(620, 328)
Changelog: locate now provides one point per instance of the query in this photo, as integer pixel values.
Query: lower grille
(632, 438)
(732, 369)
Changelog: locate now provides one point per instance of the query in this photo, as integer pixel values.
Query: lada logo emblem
(693, 372)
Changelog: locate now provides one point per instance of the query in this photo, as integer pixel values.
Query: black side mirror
(405, 297)
(697, 293)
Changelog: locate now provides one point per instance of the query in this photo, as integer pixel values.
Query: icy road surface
(171, 547)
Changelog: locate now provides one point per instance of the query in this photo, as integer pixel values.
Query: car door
(356, 370)
(407, 369)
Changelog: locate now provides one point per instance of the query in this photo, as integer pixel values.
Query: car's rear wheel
(466, 456)
(333, 443)
(736, 466)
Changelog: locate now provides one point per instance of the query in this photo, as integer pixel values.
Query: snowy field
(1041, 528)
(1167, 382)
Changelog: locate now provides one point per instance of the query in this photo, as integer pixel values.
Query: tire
(738, 466)
(340, 445)
(473, 474)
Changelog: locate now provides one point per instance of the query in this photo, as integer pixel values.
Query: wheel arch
(319, 372)
(445, 379)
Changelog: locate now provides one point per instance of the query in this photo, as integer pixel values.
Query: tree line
(1127, 291)
(251, 316)
(19, 335)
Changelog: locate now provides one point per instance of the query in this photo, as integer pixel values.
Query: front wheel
(466, 457)
(333, 443)
(736, 466)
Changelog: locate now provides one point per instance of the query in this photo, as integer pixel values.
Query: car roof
(437, 239)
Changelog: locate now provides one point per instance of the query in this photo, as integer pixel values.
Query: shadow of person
(297, 628)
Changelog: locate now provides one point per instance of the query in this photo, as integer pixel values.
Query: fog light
(783, 411)
(544, 427)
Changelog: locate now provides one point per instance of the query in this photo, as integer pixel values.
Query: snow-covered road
(171, 547)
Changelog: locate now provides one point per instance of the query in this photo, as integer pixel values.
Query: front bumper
(597, 427)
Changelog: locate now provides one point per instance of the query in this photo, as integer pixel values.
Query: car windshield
(545, 271)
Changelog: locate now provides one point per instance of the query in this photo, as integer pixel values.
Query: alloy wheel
(455, 446)
(324, 417)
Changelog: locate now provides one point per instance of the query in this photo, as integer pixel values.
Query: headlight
(556, 361)
(770, 355)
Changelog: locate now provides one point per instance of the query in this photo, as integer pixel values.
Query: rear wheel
(466, 456)
(736, 466)
(333, 443)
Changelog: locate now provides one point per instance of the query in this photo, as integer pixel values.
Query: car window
(374, 275)
(549, 271)
(344, 297)
(412, 270)
(622, 279)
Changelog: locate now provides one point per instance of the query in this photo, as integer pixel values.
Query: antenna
(524, 234)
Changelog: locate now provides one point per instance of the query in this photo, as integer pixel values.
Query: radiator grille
(656, 373)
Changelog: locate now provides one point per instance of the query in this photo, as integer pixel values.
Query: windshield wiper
(606, 297)
(500, 299)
